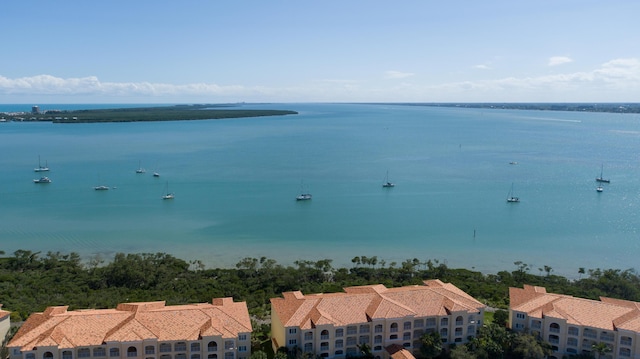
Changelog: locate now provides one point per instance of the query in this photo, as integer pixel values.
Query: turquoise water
(236, 180)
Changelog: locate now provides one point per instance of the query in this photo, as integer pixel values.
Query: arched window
(132, 352)
(394, 327)
(554, 328)
(212, 346)
(324, 334)
(47, 355)
(459, 320)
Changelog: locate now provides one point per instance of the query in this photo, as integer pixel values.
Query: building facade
(335, 325)
(574, 325)
(5, 324)
(148, 330)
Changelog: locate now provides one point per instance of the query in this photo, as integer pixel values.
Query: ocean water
(236, 180)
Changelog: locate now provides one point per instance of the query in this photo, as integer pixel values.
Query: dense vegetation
(31, 281)
(166, 113)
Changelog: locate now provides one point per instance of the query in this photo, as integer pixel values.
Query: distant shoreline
(139, 114)
(578, 107)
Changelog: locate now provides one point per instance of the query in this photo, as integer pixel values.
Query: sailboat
(140, 169)
(40, 167)
(599, 188)
(602, 179)
(386, 182)
(167, 195)
(304, 195)
(511, 198)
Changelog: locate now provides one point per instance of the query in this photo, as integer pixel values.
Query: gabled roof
(365, 303)
(397, 351)
(132, 322)
(606, 314)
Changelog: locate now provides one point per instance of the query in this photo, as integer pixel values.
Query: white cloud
(617, 80)
(482, 67)
(397, 74)
(559, 60)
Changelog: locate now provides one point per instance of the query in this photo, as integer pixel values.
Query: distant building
(35, 110)
(333, 325)
(149, 330)
(5, 324)
(574, 325)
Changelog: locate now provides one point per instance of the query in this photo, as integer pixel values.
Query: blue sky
(214, 51)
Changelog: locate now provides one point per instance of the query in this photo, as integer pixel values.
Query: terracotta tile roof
(363, 303)
(132, 322)
(397, 351)
(607, 314)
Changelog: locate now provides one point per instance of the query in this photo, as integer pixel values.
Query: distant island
(579, 107)
(161, 113)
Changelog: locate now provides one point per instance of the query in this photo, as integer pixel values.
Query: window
(84, 353)
(589, 333)
(625, 341)
(339, 332)
(352, 330)
(308, 336)
(195, 347)
(459, 320)
(472, 319)
(377, 348)
(242, 337)
(114, 352)
(406, 336)
(132, 352)
(338, 352)
(212, 356)
(406, 345)
(444, 332)
(364, 339)
(339, 343)
(242, 348)
(229, 344)
(293, 342)
(377, 339)
(165, 356)
(394, 327)
(99, 352)
(228, 355)
(195, 356)
(65, 355)
(418, 323)
(324, 335)
(47, 355)
(351, 341)
(406, 326)
(293, 330)
(393, 337)
(181, 347)
(165, 347)
(431, 322)
(364, 329)
(471, 330)
(458, 332)
(308, 347)
(149, 349)
(625, 352)
(444, 322)
(30, 356)
(418, 333)
(212, 347)
(181, 356)
(572, 342)
(554, 328)
(378, 328)
(520, 315)
(554, 339)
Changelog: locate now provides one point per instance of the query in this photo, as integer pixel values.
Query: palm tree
(431, 344)
(600, 349)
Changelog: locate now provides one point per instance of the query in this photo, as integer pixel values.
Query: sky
(226, 51)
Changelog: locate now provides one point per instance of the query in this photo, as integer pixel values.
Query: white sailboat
(304, 195)
(386, 182)
(40, 167)
(511, 198)
(167, 194)
(140, 169)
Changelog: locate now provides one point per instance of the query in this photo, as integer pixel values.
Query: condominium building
(5, 323)
(148, 330)
(574, 325)
(335, 325)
